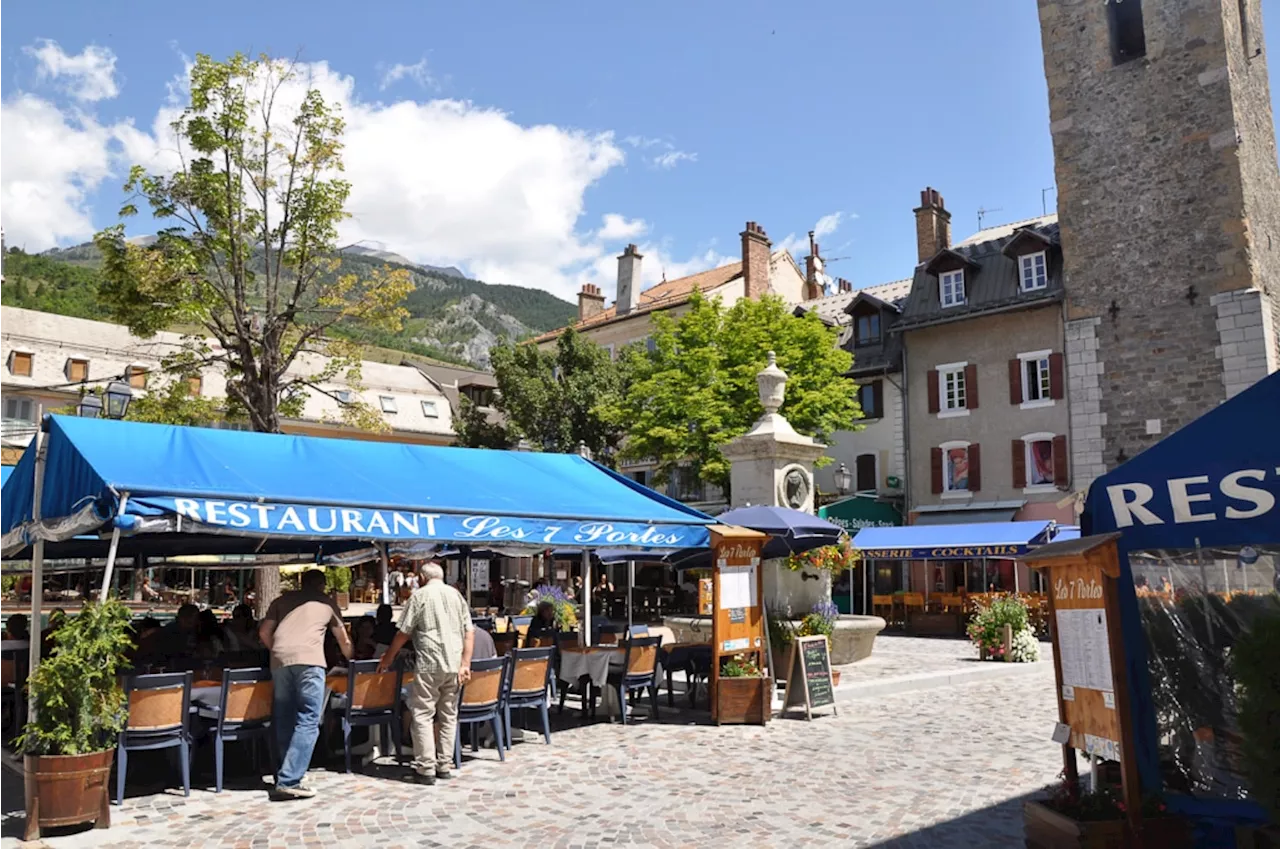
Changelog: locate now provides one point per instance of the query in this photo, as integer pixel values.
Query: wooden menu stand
(738, 626)
(1089, 659)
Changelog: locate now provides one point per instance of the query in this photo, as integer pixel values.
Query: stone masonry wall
(1162, 200)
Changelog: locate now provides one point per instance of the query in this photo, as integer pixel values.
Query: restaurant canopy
(188, 483)
(953, 542)
(1215, 482)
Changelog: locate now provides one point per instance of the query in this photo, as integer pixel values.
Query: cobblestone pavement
(942, 768)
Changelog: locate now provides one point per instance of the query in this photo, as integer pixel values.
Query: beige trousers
(434, 702)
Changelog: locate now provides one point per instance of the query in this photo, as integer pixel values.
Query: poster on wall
(480, 575)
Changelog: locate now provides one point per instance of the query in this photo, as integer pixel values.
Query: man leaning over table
(438, 621)
(294, 630)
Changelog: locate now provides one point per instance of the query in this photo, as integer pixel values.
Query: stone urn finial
(773, 386)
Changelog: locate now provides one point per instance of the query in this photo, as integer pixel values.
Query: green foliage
(697, 389)
(337, 579)
(247, 251)
(36, 282)
(820, 621)
(739, 666)
(555, 400)
(475, 429)
(80, 706)
(1253, 661)
(781, 632)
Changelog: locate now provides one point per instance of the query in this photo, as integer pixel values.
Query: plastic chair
(372, 699)
(639, 670)
(480, 700)
(243, 713)
(159, 718)
(529, 687)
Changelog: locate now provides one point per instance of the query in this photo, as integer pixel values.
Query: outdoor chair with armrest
(159, 718)
(480, 700)
(638, 671)
(372, 699)
(243, 713)
(528, 686)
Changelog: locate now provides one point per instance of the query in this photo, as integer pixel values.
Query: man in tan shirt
(438, 622)
(294, 630)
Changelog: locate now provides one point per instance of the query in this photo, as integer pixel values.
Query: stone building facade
(1169, 208)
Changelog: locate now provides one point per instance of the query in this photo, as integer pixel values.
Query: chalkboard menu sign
(809, 683)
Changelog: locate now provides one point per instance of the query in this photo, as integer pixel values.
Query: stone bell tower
(1169, 207)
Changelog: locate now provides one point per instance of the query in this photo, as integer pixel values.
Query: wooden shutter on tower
(934, 405)
(1019, 457)
(1015, 381)
(971, 386)
(975, 467)
(1057, 383)
(1061, 468)
(935, 468)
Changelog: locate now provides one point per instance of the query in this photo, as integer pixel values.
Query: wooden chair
(159, 718)
(243, 713)
(480, 700)
(951, 602)
(503, 643)
(639, 670)
(542, 642)
(529, 687)
(372, 699)
(882, 605)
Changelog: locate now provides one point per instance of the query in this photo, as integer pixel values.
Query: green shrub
(1258, 678)
(337, 579)
(986, 629)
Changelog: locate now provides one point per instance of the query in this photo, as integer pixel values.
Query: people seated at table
(148, 592)
(362, 637)
(210, 641)
(178, 638)
(484, 647)
(384, 630)
(242, 631)
(544, 624)
(57, 617)
(15, 628)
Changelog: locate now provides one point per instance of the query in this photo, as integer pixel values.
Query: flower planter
(743, 701)
(343, 600)
(1046, 828)
(67, 790)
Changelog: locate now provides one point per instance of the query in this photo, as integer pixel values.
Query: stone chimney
(590, 301)
(813, 288)
(628, 280)
(755, 260)
(933, 225)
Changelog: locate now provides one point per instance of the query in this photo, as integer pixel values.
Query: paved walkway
(937, 769)
(906, 664)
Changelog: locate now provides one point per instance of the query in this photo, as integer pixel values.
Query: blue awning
(952, 542)
(1215, 481)
(5, 471)
(221, 482)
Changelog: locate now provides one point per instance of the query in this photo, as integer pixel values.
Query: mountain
(451, 317)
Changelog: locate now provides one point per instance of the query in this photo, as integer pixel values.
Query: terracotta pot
(743, 701)
(1045, 828)
(835, 677)
(67, 790)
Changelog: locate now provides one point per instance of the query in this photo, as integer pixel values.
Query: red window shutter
(1015, 381)
(1057, 384)
(935, 468)
(1019, 464)
(971, 387)
(1061, 468)
(975, 467)
(934, 404)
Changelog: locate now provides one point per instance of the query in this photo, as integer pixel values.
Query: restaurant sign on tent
(149, 479)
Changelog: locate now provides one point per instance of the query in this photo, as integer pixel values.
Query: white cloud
(798, 243)
(672, 158)
(618, 227)
(417, 72)
(827, 225)
(88, 76)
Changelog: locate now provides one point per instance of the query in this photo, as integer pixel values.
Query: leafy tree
(552, 399)
(248, 255)
(697, 390)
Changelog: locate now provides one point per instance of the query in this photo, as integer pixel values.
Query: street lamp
(118, 397)
(90, 406)
(844, 479)
(523, 446)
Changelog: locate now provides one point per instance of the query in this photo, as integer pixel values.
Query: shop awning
(858, 512)
(5, 471)
(952, 542)
(967, 514)
(1215, 482)
(201, 482)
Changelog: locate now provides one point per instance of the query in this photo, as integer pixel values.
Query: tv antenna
(1044, 203)
(982, 212)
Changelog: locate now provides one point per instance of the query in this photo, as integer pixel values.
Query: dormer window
(1033, 271)
(866, 329)
(951, 288)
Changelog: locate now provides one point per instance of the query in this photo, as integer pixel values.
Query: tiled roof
(669, 293)
(831, 308)
(1001, 230)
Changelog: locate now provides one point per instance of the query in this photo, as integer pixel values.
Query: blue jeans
(296, 711)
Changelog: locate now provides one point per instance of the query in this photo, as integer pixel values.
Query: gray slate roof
(991, 282)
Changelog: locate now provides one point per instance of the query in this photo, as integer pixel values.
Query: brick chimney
(843, 286)
(813, 288)
(590, 301)
(628, 280)
(933, 225)
(755, 260)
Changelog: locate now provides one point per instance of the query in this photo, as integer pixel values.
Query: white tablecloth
(594, 664)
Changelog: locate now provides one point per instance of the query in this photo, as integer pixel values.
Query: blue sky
(528, 142)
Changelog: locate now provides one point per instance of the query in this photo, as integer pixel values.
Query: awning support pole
(866, 588)
(631, 582)
(466, 578)
(111, 554)
(984, 575)
(37, 567)
(384, 572)
(586, 597)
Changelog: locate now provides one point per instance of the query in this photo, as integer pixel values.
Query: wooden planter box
(743, 701)
(343, 600)
(67, 790)
(1045, 828)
